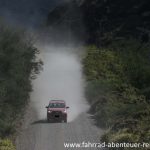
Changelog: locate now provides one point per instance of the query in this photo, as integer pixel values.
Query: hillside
(117, 67)
(104, 20)
(107, 19)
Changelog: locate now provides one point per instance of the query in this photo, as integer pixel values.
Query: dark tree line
(118, 67)
(18, 66)
(106, 19)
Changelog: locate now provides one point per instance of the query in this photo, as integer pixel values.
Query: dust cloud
(60, 79)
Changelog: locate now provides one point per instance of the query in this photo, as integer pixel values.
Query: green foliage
(117, 75)
(18, 66)
(6, 145)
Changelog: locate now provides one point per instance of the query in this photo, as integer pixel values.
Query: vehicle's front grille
(57, 114)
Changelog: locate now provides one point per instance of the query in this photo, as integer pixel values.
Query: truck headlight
(65, 111)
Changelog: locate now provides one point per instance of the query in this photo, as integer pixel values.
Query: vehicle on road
(57, 111)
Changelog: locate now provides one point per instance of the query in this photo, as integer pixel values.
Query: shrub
(118, 89)
(18, 66)
(6, 145)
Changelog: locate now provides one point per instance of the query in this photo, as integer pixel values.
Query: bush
(117, 77)
(6, 145)
(18, 66)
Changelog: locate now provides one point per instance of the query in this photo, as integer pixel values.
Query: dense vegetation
(6, 145)
(118, 90)
(18, 65)
(118, 67)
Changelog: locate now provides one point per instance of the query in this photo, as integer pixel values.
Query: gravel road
(41, 135)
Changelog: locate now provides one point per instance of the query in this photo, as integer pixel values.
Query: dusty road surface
(51, 136)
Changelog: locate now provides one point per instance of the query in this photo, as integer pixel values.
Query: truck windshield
(56, 105)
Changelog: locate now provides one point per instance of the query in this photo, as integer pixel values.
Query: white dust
(60, 79)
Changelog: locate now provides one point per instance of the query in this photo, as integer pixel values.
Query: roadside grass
(6, 145)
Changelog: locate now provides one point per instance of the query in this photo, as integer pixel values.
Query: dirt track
(41, 135)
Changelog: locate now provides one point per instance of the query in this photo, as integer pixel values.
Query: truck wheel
(48, 120)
